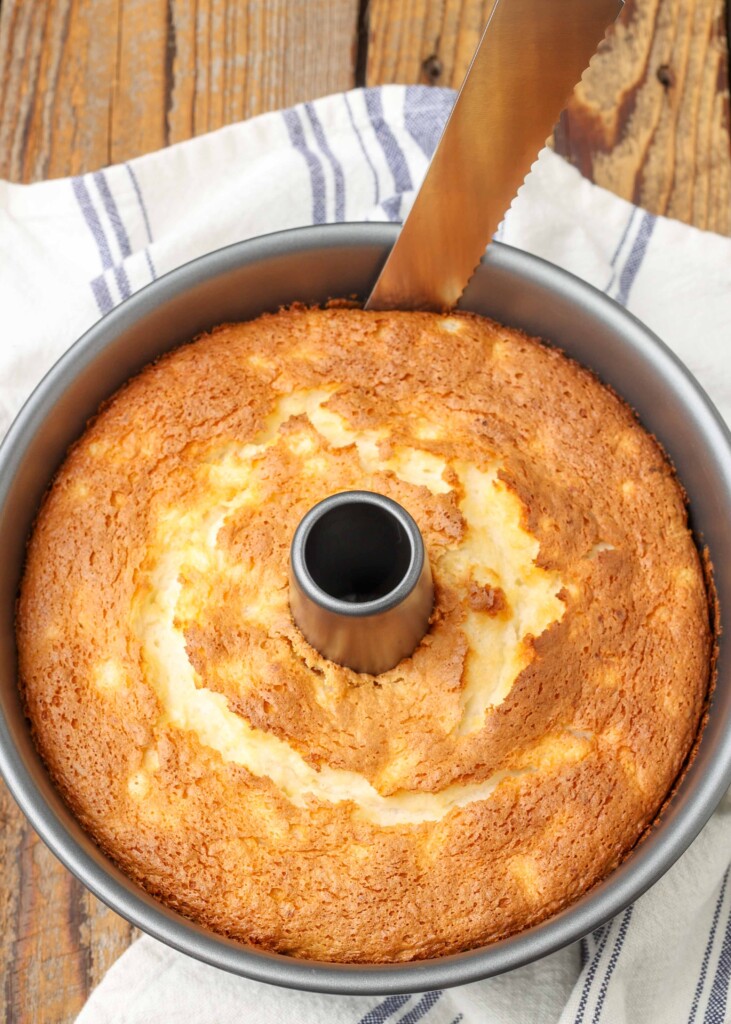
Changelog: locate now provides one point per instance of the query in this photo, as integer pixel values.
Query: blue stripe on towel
(379, 1014)
(392, 207)
(623, 928)
(119, 231)
(150, 264)
(635, 258)
(83, 198)
(617, 251)
(92, 220)
(425, 115)
(317, 175)
(140, 200)
(427, 1001)
(709, 949)
(589, 943)
(99, 286)
(337, 169)
(718, 999)
(122, 281)
(391, 150)
(590, 975)
(145, 218)
(359, 137)
(103, 297)
(628, 225)
(113, 213)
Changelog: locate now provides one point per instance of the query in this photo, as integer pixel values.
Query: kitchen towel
(71, 249)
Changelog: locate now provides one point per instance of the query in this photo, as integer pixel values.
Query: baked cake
(280, 799)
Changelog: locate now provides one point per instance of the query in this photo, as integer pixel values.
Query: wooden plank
(420, 41)
(649, 121)
(56, 939)
(84, 83)
(58, 62)
(232, 60)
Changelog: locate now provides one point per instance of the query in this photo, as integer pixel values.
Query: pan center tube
(360, 584)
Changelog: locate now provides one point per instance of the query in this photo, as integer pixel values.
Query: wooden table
(85, 83)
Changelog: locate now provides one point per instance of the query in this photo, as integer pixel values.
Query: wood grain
(84, 83)
(649, 121)
(56, 939)
(422, 41)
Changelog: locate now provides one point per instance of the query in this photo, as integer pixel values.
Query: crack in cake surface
(494, 551)
(169, 524)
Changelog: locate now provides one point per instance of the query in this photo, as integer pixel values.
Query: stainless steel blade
(531, 54)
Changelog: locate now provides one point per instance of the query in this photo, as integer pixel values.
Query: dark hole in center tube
(357, 552)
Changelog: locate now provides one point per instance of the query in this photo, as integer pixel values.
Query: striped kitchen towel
(70, 250)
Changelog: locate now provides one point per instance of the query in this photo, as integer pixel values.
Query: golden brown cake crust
(165, 536)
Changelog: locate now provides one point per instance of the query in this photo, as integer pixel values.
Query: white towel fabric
(72, 249)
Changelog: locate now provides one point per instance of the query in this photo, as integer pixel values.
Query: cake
(277, 798)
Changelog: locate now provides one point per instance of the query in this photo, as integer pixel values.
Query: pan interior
(313, 265)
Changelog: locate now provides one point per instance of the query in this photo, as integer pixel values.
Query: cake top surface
(281, 798)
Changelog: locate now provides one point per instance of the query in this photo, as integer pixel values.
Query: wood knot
(432, 68)
(666, 76)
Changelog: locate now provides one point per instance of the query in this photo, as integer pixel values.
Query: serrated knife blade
(531, 55)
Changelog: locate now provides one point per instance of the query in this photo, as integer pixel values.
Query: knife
(531, 55)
